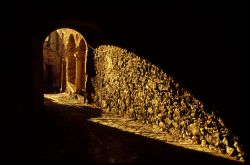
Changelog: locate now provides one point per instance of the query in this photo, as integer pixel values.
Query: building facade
(64, 62)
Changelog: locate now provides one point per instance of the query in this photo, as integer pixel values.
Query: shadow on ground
(61, 134)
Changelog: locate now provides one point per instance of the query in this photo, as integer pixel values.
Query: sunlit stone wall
(129, 85)
(52, 57)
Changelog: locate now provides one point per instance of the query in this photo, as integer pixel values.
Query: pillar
(79, 71)
(70, 65)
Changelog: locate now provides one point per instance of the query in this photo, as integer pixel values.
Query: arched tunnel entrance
(136, 50)
(64, 63)
(130, 89)
(121, 82)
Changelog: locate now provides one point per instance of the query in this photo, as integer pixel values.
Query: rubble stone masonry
(129, 85)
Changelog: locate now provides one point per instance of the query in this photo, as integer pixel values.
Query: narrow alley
(124, 83)
(68, 132)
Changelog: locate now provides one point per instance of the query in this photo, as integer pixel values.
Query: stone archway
(81, 59)
(66, 51)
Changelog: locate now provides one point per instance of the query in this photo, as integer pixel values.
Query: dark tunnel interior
(202, 45)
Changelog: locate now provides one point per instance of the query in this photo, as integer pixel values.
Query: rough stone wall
(52, 57)
(127, 84)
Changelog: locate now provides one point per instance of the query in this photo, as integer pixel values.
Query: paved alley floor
(68, 132)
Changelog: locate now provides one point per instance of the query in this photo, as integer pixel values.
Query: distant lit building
(64, 61)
